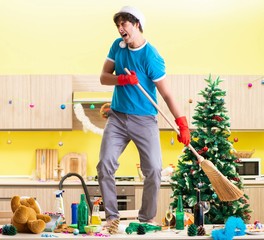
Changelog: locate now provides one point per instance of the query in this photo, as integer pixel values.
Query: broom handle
(199, 157)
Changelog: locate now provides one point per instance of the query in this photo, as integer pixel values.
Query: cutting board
(74, 163)
(46, 163)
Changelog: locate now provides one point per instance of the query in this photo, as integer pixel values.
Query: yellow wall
(18, 158)
(73, 37)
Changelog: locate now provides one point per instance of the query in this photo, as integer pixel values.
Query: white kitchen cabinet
(36, 102)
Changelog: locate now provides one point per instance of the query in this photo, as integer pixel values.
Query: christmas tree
(210, 139)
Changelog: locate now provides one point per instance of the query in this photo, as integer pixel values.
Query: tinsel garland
(234, 226)
(87, 125)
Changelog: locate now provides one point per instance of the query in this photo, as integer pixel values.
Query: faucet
(83, 185)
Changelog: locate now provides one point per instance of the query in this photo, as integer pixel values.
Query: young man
(132, 116)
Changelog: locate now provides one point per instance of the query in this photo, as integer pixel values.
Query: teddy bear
(26, 215)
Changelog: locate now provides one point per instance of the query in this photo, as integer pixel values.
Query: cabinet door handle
(9, 198)
(5, 198)
(124, 200)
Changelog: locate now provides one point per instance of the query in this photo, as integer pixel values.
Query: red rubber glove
(125, 79)
(185, 136)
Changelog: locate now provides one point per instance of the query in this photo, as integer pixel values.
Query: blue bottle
(74, 213)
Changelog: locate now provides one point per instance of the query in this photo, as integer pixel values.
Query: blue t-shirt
(149, 67)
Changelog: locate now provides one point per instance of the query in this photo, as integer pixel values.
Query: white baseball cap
(136, 13)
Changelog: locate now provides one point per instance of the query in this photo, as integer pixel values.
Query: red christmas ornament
(236, 139)
(205, 149)
(217, 118)
(200, 151)
(236, 179)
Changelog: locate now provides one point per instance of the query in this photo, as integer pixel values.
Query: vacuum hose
(83, 185)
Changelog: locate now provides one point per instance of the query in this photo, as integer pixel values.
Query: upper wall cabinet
(14, 102)
(36, 102)
(179, 85)
(246, 102)
(243, 103)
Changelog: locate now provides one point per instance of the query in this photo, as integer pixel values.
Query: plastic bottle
(74, 213)
(167, 171)
(133, 227)
(59, 208)
(198, 210)
(140, 174)
(179, 214)
(82, 214)
(95, 219)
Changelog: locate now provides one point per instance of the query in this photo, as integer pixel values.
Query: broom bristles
(225, 190)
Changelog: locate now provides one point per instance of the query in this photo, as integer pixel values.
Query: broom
(225, 189)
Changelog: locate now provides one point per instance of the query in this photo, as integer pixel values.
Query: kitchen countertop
(160, 235)
(30, 182)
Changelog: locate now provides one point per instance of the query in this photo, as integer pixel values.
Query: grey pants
(119, 131)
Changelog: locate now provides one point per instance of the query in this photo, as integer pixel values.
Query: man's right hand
(125, 79)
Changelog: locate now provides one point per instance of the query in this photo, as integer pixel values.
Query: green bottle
(179, 214)
(82, 214)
